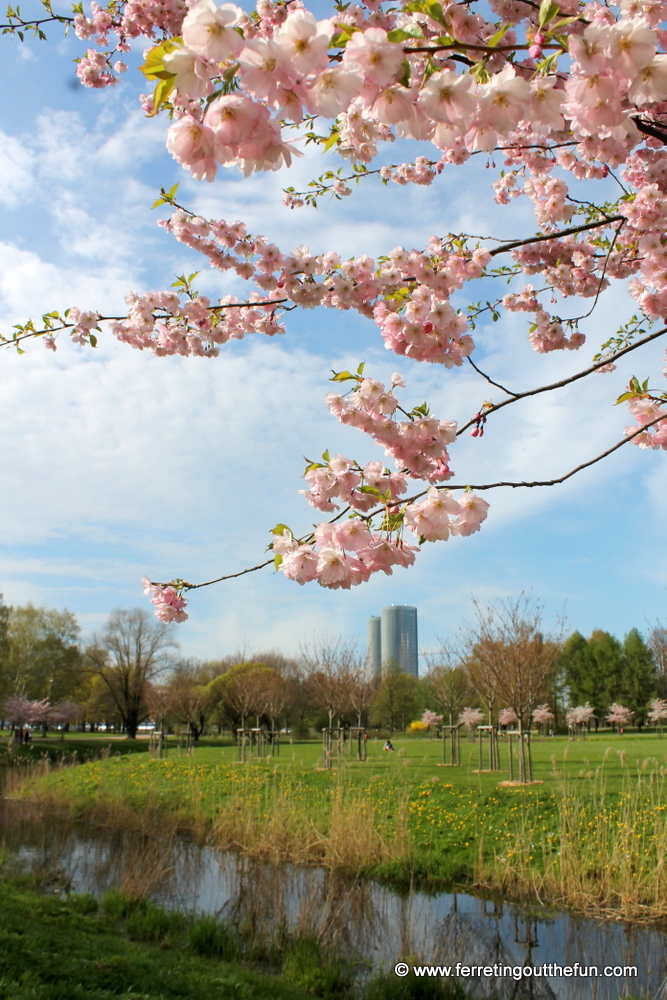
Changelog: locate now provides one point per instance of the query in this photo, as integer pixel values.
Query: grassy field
(590, 833)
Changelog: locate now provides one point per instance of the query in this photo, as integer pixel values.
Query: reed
(602, 853)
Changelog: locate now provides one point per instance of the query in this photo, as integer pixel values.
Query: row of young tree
(504, 666)
(507, 667)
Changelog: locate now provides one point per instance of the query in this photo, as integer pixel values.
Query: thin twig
(568, 381)
(489, 379)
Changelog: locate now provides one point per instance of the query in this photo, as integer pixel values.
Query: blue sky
(116, 463)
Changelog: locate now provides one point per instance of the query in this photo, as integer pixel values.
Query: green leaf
(161, 94)
(625, 396)
(549, 64)
(333, 140)
(153, 68)
(343, 377)
(360, 369)
(498, 35)
(402, 34)
(434, 10)
(280, 529)
(93, 340)
(548, 11)
(326, 456)
(563, 21)
(341, 39)
(277, 560)
(405, 79)
(480, 73)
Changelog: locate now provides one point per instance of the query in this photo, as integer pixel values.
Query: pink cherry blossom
(209, 30)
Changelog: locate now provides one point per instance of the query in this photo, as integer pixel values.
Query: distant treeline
(131, 673)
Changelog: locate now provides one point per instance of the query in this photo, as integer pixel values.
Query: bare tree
(328, 664)
(159, 702)
(361, 688)
(240, 691)
(130, 652)
(514, 659)
(447, 683)
(276, 695)
(190, 697)
(481, 678)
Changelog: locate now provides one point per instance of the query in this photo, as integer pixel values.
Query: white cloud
(15, 170)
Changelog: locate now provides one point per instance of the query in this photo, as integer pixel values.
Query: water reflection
(361, 919)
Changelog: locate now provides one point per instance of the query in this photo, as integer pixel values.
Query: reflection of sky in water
(359, 918)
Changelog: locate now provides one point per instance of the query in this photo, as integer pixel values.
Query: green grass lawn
(419, 757)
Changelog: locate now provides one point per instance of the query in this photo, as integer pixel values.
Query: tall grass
(605, 853)
(346, 831)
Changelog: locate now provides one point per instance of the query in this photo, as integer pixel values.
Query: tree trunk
(522, 754)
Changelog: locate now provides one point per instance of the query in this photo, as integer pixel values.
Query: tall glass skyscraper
(374, 647)
(392, 640)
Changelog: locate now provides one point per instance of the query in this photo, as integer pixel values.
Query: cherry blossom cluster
(646, 410)
(348, 553)
(132, 19)
(418, 444)
(168, 601)
(441, 515)
(579, 716)
(507, 717)
(407, 293)
(657, 711)
(618, 715)
(341, 555)
(471, 718)
(430, 718)
(385, 74)
(166, 324)
(357, 487)
(21, 710)
(542, 715)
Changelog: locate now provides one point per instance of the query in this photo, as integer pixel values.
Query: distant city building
(392, 640)
(374, 646)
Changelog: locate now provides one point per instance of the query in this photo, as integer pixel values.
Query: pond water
(359, 918)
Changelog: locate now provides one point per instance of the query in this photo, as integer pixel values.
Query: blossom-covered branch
(566, 91)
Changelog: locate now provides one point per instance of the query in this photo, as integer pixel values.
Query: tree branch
(554, 236)
(11, 342)
(567, 381)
